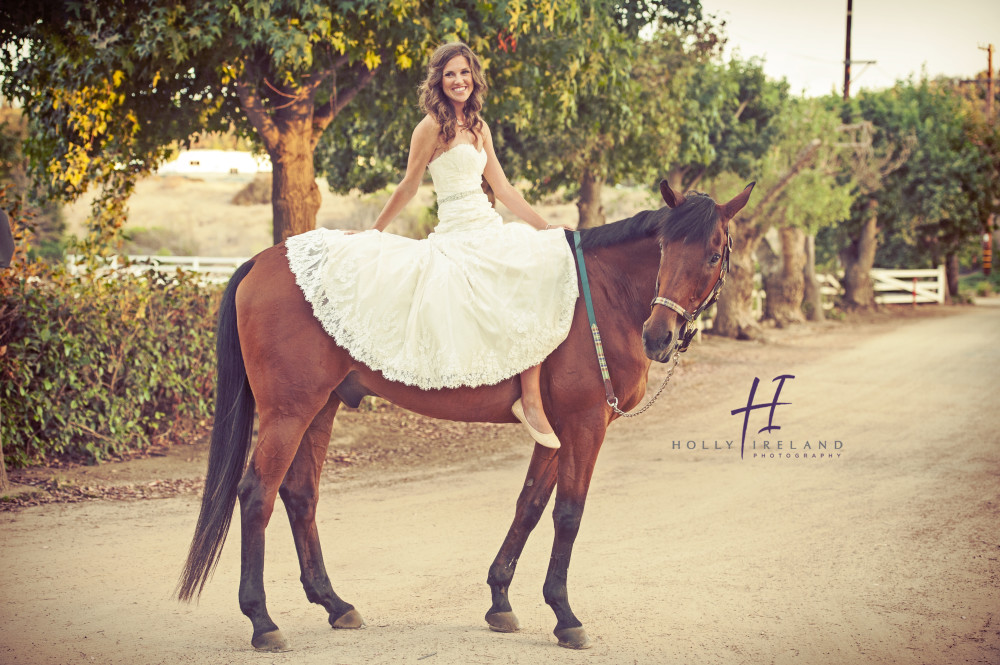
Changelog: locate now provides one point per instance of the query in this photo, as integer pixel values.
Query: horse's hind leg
(300, 493)
(281, 431)
(531, 503)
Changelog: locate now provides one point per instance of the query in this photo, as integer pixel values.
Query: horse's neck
(623, 276)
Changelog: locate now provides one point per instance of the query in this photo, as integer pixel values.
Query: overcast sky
(803, 40)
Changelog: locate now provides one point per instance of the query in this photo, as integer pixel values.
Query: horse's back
(283, 343)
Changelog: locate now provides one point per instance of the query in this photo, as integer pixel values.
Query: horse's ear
(730, 209)
(669, 197)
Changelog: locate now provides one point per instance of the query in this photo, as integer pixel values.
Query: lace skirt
(471, 306)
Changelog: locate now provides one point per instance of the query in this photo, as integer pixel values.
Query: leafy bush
(98, 366)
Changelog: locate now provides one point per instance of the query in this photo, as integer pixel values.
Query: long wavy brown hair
(434, 102)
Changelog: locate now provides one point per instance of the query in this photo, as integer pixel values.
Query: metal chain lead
(670, 373)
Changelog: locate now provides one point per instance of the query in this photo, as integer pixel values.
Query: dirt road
(883, 550)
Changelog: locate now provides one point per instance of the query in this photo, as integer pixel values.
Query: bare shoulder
(426, 136)
(428, 126)
(429, 123)
(487, 134)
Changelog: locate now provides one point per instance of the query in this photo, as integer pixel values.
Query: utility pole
(989, 82)
(847, 53)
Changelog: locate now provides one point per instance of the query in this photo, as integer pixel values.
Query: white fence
(910, 286)
(213, 269)
(891, 286)
(894, 287)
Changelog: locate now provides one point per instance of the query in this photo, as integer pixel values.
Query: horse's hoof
(503, 622)
(573, 638)
(272, 642)
(349, 620)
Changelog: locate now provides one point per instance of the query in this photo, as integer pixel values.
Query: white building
(216, 162)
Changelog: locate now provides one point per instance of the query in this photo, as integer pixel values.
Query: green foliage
(733, 120)
(100, 364)
(942, 194)
(819, 195)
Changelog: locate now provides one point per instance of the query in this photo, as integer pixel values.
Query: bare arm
(422, 145)
(504, 191)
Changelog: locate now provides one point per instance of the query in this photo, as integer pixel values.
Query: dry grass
(190, 216)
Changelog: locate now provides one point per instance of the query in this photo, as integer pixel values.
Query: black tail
(227, 457)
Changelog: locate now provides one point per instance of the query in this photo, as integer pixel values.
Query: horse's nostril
(655, 343)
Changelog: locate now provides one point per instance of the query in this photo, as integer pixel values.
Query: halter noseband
(708, 302)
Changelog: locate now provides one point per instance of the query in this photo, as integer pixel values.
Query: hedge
(99, 367)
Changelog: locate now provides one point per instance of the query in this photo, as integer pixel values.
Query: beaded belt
(459, 195)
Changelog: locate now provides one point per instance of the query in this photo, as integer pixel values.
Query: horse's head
(694, 259)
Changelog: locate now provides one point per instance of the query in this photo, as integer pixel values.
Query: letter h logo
(751, 406)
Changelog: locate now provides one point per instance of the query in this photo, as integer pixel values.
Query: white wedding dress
(476, 302)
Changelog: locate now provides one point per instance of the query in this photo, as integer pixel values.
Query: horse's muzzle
(659, 342)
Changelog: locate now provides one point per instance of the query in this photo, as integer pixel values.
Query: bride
(476, 302)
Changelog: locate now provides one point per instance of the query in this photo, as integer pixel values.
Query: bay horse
(273, 355)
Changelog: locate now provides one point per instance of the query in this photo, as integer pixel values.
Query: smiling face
(456, 80)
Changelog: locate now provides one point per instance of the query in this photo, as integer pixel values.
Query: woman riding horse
(478, 301)
(279, 355)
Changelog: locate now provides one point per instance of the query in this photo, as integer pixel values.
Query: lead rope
(609, 391)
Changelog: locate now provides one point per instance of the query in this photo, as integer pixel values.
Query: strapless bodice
(458, 170)
(458, 182)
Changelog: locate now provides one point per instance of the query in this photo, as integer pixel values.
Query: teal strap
(608, 388)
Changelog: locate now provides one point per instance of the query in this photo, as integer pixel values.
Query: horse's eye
(715, 259)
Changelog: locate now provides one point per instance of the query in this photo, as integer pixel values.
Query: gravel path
(883, 550)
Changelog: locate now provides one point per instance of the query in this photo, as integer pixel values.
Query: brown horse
(274, 354)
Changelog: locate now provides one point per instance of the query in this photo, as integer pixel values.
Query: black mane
(693, 222)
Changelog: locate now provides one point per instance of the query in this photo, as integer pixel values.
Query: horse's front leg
(531, 503)
(576, 467)
(300, 494)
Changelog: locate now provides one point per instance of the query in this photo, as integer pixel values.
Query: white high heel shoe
(549, 440)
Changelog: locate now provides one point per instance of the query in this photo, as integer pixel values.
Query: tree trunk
(859, 258)
(951, 270)
(785, 283)
(4, 481)
(812, 297)
(733, 315)
(290, 131)
(295, 196)
(590, 206)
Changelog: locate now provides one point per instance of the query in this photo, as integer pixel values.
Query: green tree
(612, 115)
(815, 198)
(109, 86)
(941, 200)
(735, 119)
(924, 186)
